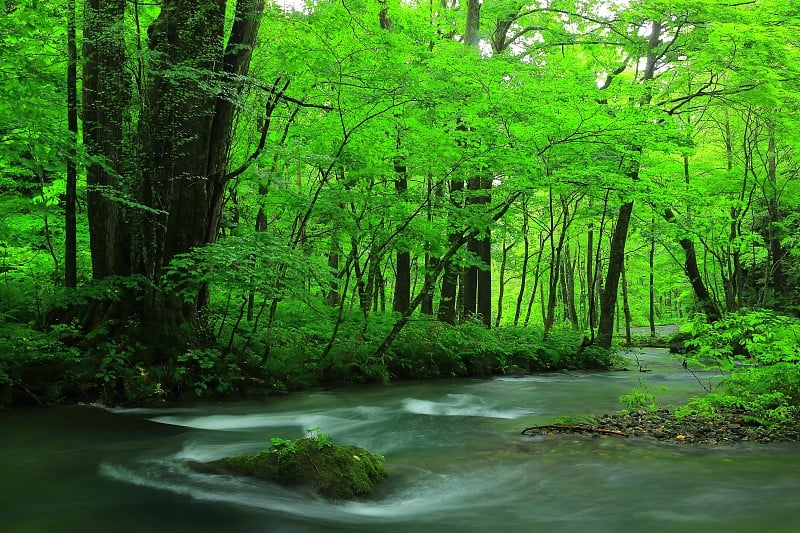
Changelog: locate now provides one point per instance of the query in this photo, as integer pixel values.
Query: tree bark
(447, 300)
(626, 308)
(70, 198)
(105, 102)
(616, 261)
(652, 278)
(402, 283)
(184, 138)
(616, 258)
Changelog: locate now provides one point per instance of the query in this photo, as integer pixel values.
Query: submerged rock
(335, 472)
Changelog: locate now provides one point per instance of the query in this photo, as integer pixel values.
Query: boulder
(335, 472)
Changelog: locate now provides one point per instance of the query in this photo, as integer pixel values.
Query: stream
(457, 462)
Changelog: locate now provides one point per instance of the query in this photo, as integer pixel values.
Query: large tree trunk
(184, 138)
(106, 95)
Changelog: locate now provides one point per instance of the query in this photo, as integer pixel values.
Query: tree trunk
(105, 103)
(616, 261)
(776, 250)
(402, 284)
(692, 269)
(616, 258)
(184, 139)
(450, 278)
(484, 294)
(70, 198)
(526, 246)
(652, 278)
(502, 288)
(590, 276)
(536, 277)
(333, 297)
(626, 308)
(568, 287)
(426, 307)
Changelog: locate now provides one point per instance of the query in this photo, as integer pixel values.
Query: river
(457, 460)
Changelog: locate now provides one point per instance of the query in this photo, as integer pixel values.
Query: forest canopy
(207, 197)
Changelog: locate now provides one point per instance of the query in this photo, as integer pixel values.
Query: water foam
(460, 405)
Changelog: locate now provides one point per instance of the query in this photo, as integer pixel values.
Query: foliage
(642, 398)
(361, 138)
(761, 350)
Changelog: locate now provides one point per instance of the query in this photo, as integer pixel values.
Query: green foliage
(642, 398)
(318, 208)
(323, 440)
(761, 351)
(41, 366)
(283, 447)
(205, 371)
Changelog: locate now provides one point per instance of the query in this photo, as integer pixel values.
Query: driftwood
(570, 428)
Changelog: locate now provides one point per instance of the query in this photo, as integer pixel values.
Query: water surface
(457, 460)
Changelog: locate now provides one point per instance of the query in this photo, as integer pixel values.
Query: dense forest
(204, 198)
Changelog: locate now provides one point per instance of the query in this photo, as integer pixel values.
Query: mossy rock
(334, 472)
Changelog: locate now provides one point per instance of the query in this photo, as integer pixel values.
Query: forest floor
(662, 425)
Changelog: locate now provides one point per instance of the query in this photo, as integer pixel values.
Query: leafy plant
(761, 350)
(323, 440)
(642, 398)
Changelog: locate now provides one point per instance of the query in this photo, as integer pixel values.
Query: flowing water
(457, 460)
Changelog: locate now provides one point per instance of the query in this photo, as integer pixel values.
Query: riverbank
(663, 425)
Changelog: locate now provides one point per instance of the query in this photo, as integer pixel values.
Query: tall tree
(173, 191)
(71, 193)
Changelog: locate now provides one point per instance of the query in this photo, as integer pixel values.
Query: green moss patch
(335, 472)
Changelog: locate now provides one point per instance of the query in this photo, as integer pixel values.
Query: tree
(146, 210)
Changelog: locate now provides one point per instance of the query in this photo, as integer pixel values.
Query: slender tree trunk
(626, 308)
(616, 259)
(590, 276)
(536, 278)
(652, 278)
(426, 307)
(526, 245)
(502, 288)
(333, 297)
(402, 285)
(70, 198)
(450, 278)
(568, 287)
(776, 249)
(484, 293)
(617, 251)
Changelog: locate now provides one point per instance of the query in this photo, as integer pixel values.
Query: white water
(457, 460)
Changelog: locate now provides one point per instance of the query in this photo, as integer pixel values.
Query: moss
(335, 472)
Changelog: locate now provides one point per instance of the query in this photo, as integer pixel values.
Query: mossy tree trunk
(173, 189)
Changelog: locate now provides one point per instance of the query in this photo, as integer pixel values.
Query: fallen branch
(567, 428)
